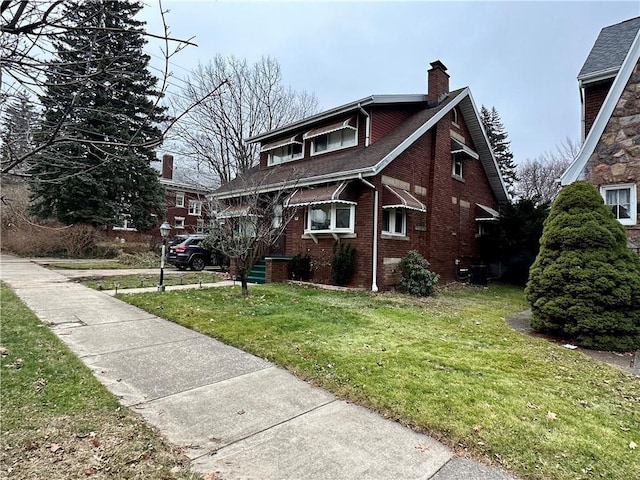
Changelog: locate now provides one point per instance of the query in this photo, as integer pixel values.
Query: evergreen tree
(501, 146)
(19, 121)
(107, 108)
(585, 282)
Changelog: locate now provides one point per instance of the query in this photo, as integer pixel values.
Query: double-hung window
(178, 223)
(622, 200)
(330, 218)
(195, 207)
(456, 169)
(179, 199)
(394, 221)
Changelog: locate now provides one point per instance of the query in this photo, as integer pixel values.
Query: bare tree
(249, 224)
(252, 100)
(538, 178)
(29, 32)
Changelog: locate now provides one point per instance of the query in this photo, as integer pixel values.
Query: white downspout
(367, 127)
(374, 283)
(374, 272)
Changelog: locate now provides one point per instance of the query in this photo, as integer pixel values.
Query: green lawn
(59, 422)
(448, 366)
(136, 281)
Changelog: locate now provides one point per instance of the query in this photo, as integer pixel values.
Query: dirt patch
(629, 361)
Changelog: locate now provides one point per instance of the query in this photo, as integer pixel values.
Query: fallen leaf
(533, 406)
(633, 445)
(55, 447)
(423, 447)
(477, 428)
(3, 350)
(212, 476)
(552, 416)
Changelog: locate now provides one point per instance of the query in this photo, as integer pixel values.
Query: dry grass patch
(59, 422)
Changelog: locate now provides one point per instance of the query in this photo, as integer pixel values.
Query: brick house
(386, 173)
(609, 84)
(186, 204)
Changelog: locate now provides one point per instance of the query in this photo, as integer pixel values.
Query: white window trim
(176, 225)
(392, 221)
(454, 117)
(334, 149)
(633, 207)
(271, 163)
(195, 203)
(180, 195)
(455, 161)
(332, 221)
(200, 225)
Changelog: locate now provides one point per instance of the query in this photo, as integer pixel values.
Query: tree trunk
(243, 282)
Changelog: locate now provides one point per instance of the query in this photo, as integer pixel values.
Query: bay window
(330, 217)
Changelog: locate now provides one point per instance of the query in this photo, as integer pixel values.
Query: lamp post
(165, 228)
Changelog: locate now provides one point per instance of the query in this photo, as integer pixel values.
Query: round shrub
(416, 277)
(585, 283)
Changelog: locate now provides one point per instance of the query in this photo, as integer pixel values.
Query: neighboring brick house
(388, 174)
(610, 91)
(186, 204)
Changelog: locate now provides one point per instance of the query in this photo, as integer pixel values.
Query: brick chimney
(167, 167)
(437, 82)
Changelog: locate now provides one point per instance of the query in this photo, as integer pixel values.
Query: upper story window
(285, 154)
(333, 137)
(200, 225)
(454, 116)
(283, 150)
(195, 207)
(456, 169)
(179, 199)
(178, 223)
(622, 200)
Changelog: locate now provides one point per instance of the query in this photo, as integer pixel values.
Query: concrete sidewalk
(232, 412)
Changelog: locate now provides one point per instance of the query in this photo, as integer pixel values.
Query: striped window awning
(486, 214)
(281, 143)
(457, 147)
(313, 196)
(395, 197)
(334, 127)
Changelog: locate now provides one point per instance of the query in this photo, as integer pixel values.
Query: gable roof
(609, 50)
(371, 160)
(576, 169)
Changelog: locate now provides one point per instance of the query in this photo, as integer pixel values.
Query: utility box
(478, 275)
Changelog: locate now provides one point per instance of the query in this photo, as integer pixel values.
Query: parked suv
(189, 253)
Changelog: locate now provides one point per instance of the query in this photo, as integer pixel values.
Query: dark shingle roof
(359, 159)
(611, 48)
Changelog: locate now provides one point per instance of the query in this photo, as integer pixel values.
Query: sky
(520, 57)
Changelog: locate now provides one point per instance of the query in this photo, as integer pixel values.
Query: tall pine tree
(19, 122)
(501, 146)
(100, 93)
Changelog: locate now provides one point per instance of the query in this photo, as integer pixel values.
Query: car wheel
(197, 264)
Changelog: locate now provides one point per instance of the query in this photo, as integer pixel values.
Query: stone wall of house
(616, 158)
